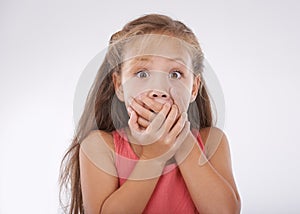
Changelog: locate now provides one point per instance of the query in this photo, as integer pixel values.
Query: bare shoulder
(98, 173)
(212, 132)
(101, 137)
(97, 149)
(219, 153)
(214, 140)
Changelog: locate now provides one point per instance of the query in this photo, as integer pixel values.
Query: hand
(146, 109)
(186, 147)
(164, 133)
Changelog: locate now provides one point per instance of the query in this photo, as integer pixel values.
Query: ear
(118, 86)
(195, 89)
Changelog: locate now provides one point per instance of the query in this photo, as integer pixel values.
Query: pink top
(170, 194)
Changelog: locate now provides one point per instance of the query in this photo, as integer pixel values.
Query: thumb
(132, 122)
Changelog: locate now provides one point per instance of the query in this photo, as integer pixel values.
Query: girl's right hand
(164, 134)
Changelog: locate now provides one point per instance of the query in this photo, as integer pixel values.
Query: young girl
(145, 142)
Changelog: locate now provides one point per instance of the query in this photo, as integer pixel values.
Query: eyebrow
(148, 59)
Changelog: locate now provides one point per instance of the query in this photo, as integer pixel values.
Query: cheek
(181, 96)
(181, 99)
(132, 88)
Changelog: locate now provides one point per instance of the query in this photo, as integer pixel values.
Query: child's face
(159, 69)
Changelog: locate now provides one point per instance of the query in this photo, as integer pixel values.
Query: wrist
(147, 169)
(186, 148)
(155, 161)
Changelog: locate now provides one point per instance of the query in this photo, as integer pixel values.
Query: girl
(145, 142)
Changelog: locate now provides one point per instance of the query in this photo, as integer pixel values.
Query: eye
(142, 74)
(175, 75)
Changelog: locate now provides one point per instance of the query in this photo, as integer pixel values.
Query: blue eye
(142, 74)
(175, 75)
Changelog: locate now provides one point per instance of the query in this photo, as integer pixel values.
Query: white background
(252, 46)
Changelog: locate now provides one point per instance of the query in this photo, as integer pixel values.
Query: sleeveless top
(170, 194)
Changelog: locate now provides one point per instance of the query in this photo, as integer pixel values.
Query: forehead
(150, 59)
(143, 46)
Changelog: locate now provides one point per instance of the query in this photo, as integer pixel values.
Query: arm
(100, 189)
(99, 183)
(133, 195)
(211, 184)
(98, 180)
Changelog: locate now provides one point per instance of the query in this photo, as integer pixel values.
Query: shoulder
(214, 139)
(99, 136)
(209, 132)
(219, 153)
(97, 149)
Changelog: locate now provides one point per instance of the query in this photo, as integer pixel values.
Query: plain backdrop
(252, 46)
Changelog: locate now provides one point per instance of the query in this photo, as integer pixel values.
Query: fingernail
(167, 105)
(131, 114)
(140, 96)
(129, 110)
(130, 100)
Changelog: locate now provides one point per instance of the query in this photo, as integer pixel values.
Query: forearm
(134, 194)
(210, 192)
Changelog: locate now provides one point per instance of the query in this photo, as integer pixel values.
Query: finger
(159, 118)
(177, 128)
(177, 142)
(151, 104)
(142, 111)
(184, 144)
(175, 131)
(143, 122)
(170, 120)
(182, 136)
(132, 122)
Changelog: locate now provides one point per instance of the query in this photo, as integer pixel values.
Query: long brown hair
(101, 101)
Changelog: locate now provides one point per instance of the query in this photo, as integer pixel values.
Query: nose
(159, 94)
